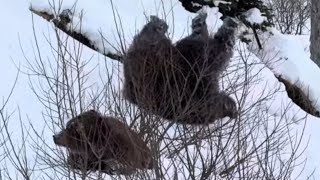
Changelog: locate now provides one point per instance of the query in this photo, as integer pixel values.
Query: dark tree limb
(61, 22)
(299, 97)
(256, 36)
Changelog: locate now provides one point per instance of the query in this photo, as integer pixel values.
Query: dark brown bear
(180, 82)
(96, 141)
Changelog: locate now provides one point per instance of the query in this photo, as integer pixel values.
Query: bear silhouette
(180, 82)
(97, 140)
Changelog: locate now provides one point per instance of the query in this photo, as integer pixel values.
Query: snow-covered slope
(287, 56)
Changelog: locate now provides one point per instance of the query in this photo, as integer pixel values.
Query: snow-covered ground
(98, 17)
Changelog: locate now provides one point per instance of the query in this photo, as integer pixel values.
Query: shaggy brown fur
(99, 139)
(89, 163)
(180, 83)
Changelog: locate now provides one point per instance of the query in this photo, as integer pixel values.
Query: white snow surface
(217, 2)
(288, 56)
(292, 51)
(254, 16)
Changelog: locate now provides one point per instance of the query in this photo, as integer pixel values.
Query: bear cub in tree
(95, 142)
(180, 82)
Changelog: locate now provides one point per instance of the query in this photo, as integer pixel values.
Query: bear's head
(81, 132)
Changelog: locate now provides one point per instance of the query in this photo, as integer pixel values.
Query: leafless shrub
(291, 16)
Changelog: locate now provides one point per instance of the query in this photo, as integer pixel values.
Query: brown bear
(180, 82)
(89, 163)
(96, 141)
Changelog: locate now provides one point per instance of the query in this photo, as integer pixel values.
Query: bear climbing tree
(180, 83)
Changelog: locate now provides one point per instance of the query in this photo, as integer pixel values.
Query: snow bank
(285, 55)
(288, 56)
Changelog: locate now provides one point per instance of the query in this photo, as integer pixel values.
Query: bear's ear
(70, 124)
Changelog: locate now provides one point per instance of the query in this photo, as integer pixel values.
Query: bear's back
(127, 144)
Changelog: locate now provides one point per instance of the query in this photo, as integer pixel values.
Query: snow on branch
(285, 57)
(299, 97)
(234, 8)
(254, 16)
(67, 22)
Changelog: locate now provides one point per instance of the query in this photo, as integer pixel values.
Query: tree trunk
(315, 32)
